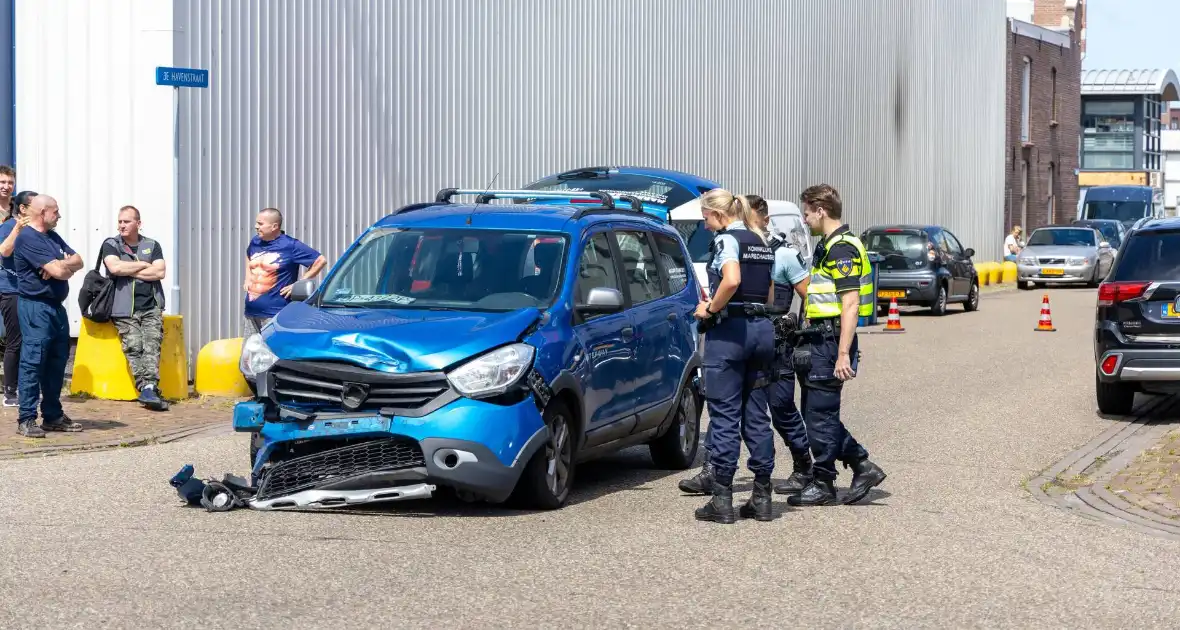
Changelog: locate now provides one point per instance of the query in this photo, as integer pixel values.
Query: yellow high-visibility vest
(822, 300)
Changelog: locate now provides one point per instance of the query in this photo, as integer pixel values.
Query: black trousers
(12, 341)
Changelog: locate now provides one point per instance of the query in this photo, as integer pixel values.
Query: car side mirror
(601, 300)
(1104, 245)
(302, 289)
(970, 253)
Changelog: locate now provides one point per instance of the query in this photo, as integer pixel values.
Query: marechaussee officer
(790, 276)
(738, 356)
(839, 292)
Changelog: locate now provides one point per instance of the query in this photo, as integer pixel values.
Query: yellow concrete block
(101, 369)
(1009, 268)
(996, 273)
(984, 271)
(218, 373)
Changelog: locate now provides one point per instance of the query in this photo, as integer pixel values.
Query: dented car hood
(392, 340)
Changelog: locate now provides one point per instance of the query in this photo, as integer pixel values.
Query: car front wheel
(676, 449)
(546, 480)
(1114, 399)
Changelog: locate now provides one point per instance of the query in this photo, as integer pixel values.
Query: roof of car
(687, 180)
(1165, 223)
(533, 217)
(906, 226)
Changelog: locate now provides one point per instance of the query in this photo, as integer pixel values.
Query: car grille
(1051, 261)
(311, 471)
(323, 383)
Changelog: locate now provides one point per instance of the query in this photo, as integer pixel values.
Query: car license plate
(1170, 310)
(1050, 271)
(890, 294)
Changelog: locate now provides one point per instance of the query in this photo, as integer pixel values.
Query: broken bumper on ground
(477, 448)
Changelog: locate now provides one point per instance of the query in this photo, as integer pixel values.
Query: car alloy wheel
(557, 456)
(973, 298)
(688, 430)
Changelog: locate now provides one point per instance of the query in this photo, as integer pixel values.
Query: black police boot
(702, 483)
(719, 509)
(865, 476)
(758, 507)
(799, 478)
(818, 492)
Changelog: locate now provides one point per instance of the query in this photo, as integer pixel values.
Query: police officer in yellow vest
(839, 293)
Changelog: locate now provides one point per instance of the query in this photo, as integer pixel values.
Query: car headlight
(256, 357)
(494, 372)
(1078, 260)
(1028, 261)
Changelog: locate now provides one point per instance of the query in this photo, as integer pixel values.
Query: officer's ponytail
(733, 208)
(744, 211)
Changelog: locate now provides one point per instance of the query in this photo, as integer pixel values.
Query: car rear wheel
(546, 480)
(1115, 399)
(939, 305)
(676, 449)
(972, 303)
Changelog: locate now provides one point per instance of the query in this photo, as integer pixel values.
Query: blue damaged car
(487, 348)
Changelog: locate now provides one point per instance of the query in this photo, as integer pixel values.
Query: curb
(1122, 442)
(165, 437)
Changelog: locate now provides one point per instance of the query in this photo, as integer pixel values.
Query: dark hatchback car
(1137, 327)
(923, 265)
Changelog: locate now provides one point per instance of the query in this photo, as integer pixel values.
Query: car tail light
(1109, 364)
(892, 231)
(1111, 293)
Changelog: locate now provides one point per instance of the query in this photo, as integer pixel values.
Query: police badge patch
(844, 266)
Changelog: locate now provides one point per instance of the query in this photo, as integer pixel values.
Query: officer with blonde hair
(738, 357)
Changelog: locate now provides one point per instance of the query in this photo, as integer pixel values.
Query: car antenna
(485, 191)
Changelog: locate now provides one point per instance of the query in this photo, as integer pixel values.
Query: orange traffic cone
(1046, 323)
(893, 324)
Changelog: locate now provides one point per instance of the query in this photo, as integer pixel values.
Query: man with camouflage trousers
(136, 264)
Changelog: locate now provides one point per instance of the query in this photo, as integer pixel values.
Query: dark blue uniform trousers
(45, 348)
(830, 440)
(784, 414)
(738, 353)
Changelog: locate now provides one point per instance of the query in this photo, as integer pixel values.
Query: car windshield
(1108, 230)
(1079, 237)
(1125, 211)
(903, 249)
(1150, 256)
(449, 269)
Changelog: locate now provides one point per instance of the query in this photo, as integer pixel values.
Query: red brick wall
(1056, 145)
(1050, 13)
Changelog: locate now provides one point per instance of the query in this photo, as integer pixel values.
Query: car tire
(972, 303)
(1023, 286)
(939, 305)
(539, 488)
(1114, 399)
(255, 446)
(677, 448)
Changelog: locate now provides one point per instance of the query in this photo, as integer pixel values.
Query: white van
(785, 218)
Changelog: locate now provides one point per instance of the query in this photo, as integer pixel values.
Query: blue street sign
(182, 77)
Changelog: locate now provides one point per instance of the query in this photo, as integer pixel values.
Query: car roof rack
(607, 205)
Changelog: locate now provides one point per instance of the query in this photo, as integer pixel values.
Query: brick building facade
(1043, 126)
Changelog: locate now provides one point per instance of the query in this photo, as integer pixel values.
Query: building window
(1024, 193)
(1025, 83)
(1054, 75)
(1052, 205)
(1108, 134)
(1174, 124)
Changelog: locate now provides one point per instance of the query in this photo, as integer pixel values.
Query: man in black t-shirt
(136, 264)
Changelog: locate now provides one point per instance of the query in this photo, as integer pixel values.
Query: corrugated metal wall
(339, 112)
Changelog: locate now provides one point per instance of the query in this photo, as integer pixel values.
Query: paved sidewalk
(1152, 481)
(108, 423)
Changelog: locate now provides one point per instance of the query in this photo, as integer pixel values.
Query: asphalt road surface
(959, 410)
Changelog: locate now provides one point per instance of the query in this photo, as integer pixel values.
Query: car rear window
(902, 250)
(1150, 256)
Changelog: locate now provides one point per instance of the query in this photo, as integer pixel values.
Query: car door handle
(672, 317)
(627, 333)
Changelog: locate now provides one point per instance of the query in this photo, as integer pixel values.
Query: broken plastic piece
(217, 497)
(187, 487)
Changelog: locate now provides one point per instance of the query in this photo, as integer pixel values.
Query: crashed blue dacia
(483, 347)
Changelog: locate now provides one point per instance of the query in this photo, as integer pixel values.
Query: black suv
(922, 265)
(1137, 330)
